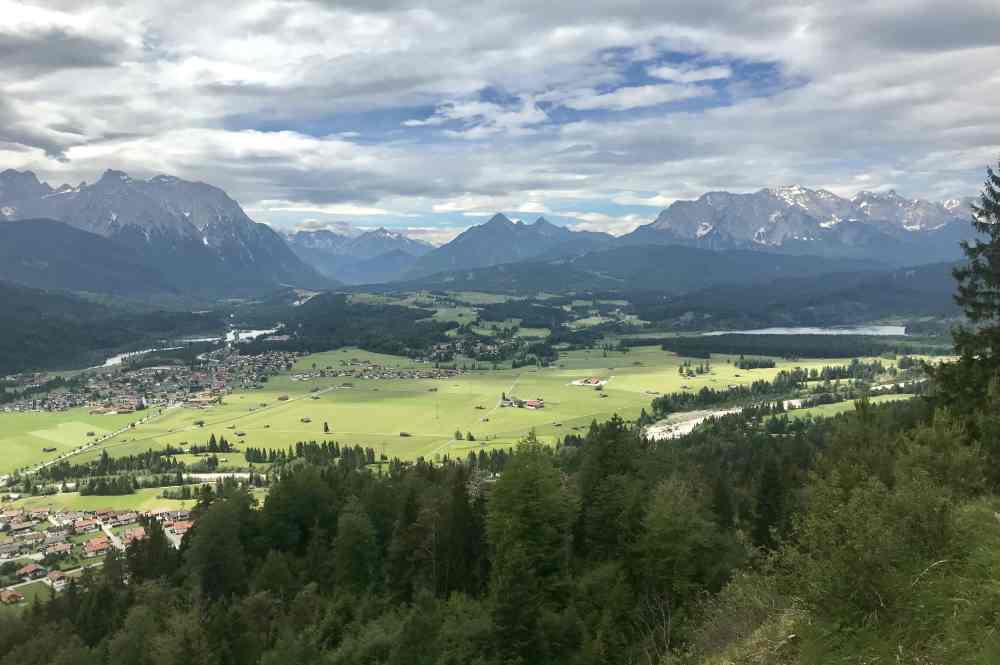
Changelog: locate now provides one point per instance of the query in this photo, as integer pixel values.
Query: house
(95, 547)
(59, 549)
(534, 403)
(87, 525)
(132, 535)
(31, 572)
(179, 528)
(21, 527)
(57, 580)
(11, 597)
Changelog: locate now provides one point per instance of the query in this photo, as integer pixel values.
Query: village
(52, 547)
(355, 368)
(125, 389)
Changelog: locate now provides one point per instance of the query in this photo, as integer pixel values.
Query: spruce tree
(965, 383)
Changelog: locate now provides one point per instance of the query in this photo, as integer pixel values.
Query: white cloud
(688, 74)
(479, 119)
(334, 209)
(270, 100)
(596, 221)
(633, 199)
(624, 99)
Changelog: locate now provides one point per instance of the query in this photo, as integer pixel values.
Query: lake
(879, 331)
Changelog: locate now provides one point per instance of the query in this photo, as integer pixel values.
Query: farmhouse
(59, 549)
(31, 572)
(96, 547)
(86, 525)
(514, 402)
(179, 528)
(132, 535)
(57, 580)
(11, 597)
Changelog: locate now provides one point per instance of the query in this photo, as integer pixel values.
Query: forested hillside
(53, 330)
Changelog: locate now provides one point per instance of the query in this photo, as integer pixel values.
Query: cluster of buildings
(363, 369)
(45, 544)
(127, 390)
(53, 546)
(473, 347)
(513, 402)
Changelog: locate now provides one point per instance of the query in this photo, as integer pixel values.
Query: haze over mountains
(358, 258)
(131, 236)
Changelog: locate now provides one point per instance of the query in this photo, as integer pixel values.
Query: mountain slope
(664, 268)
(193, 233)
(832, 299)
(54, 330)
(500, 241)
(47, 254)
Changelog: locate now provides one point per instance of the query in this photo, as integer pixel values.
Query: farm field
(142, 500)
(24, 435)
(376, 412)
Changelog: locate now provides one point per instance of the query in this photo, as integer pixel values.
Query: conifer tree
(965, 383)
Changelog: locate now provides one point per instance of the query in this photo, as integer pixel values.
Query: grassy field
(145, 499)
(24, 435)
(827, 410)
(375, 412)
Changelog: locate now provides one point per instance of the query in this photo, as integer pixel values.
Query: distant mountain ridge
(799, 220)
(501, 240)
(374, 256)
(194, 234)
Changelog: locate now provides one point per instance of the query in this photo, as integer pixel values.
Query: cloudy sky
(431, 115)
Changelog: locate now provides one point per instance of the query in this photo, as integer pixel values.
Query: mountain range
(130, 236)
(193, 234)
(358, 258)
(882, 226)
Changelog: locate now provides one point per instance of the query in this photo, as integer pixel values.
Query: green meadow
(23, 436)
(405, 418)
(144, 499)
(828, 410)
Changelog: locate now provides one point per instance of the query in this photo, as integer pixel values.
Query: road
(116, 542)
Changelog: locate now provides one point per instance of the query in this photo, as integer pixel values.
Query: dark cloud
(40, 52)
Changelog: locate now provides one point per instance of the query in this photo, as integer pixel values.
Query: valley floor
(405, 418)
